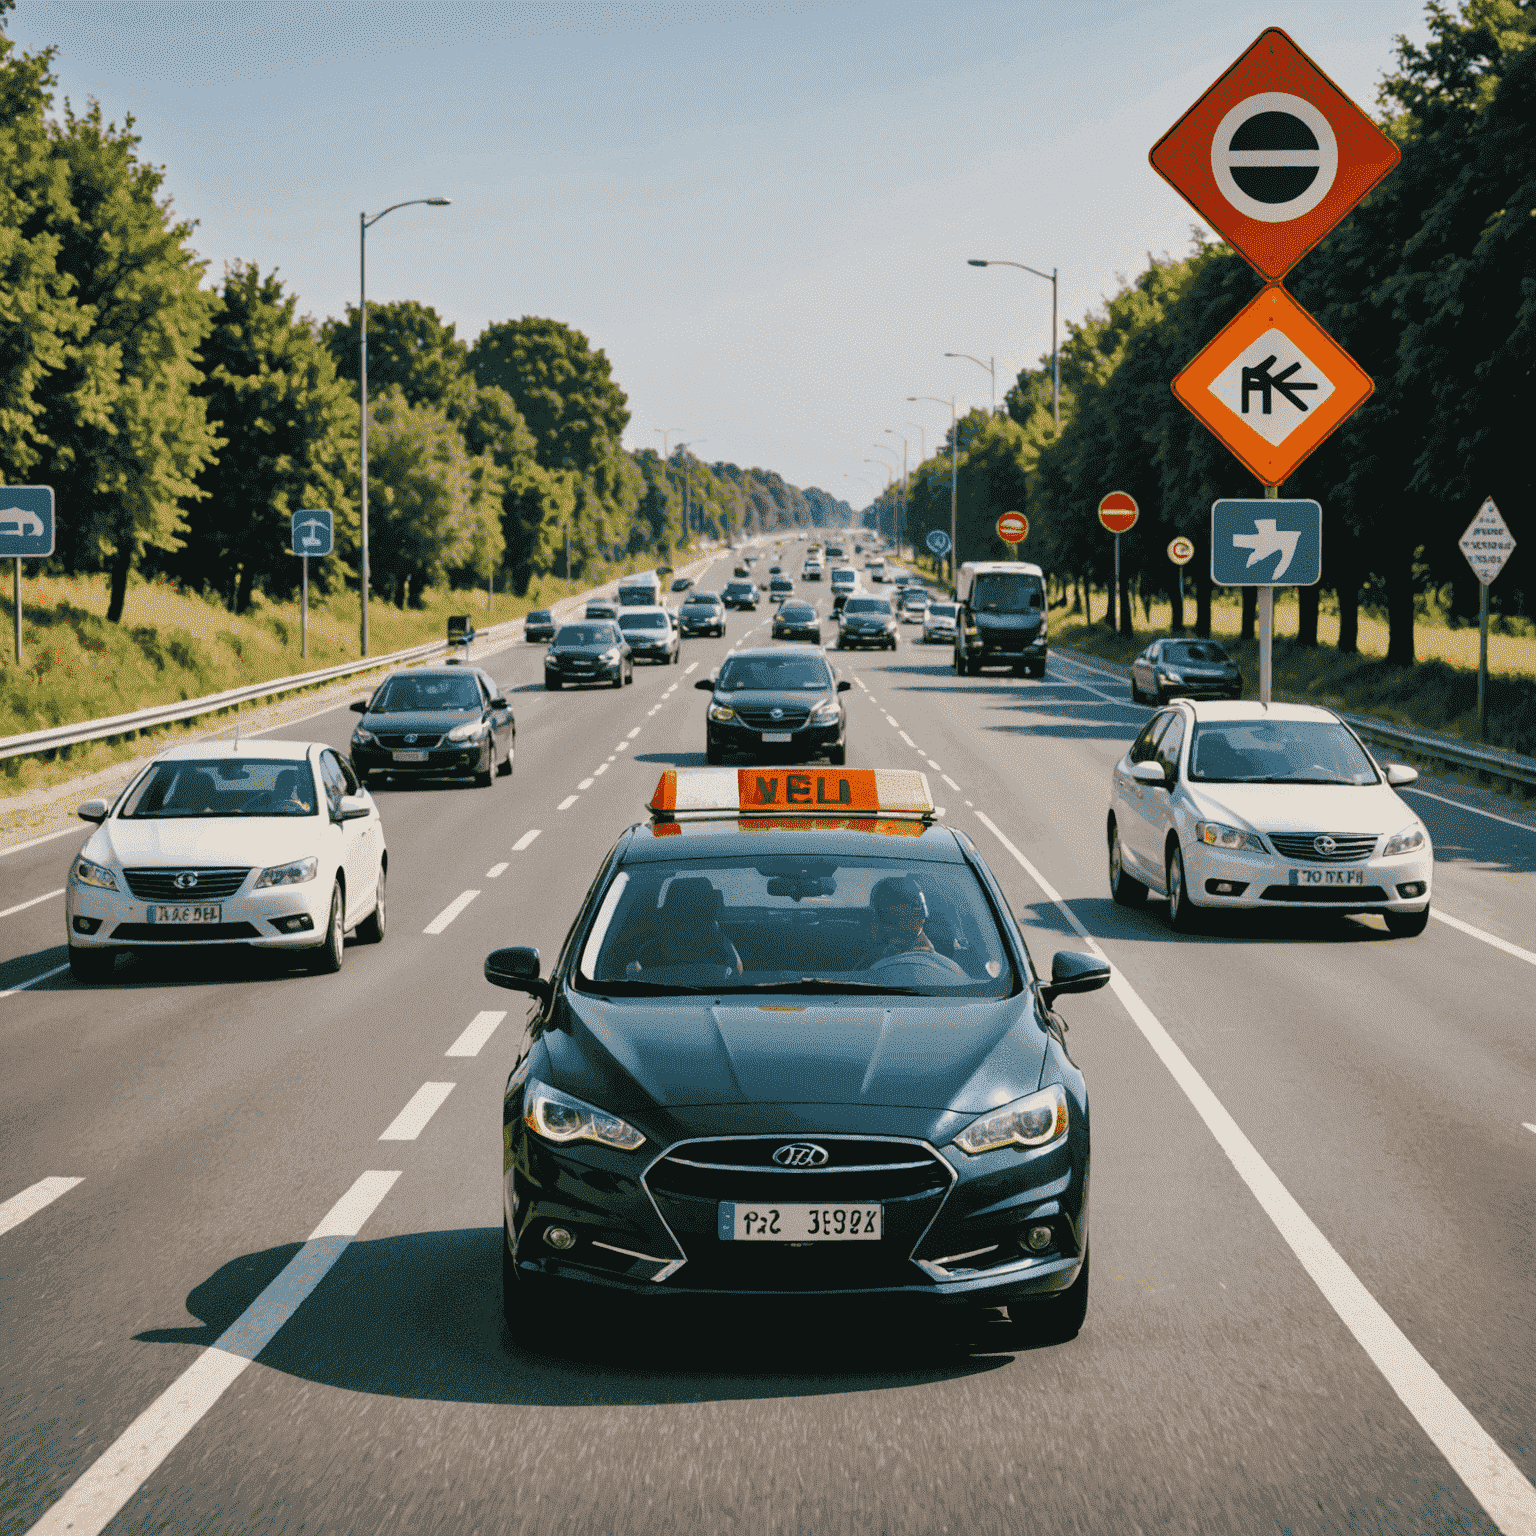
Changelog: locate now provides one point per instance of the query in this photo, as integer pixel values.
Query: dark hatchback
(794, 1057)
(1191, 669)
(702, 614)
(434, 721)
(588, 653)
(797, 621)
(539, 625)
(776, 702)
(741, 594)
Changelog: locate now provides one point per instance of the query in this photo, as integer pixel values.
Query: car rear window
(642, 621)
(868, 605)
(539, 616)
(223, 786)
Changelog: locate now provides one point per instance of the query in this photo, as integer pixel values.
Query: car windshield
(539, 616)
(701, 600)
(868, 605)
(1278, 752)
(404, 695)
(789, 670)
(585, 634)
(1195, 650)
(796, 613)
(223, 786)
(797, 924)
(642, 621)
(1005, 592)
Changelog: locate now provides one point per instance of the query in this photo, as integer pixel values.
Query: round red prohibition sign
(1013, 527)
(1118, 512)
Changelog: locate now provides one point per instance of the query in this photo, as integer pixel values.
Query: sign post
(1487, 544)
(1118, 513)
(1181, 551)
(26, 533)
(312, 534)
(938, 546)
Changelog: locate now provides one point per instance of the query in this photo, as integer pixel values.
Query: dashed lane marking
(634, 733)
(21, 986)
(934, 766)
(1479, 933)
(909, 741)
(495, 870)
(894, 721)
(1477, 1458)
(412, 1120)
(1527, 1124)
(600, 770)
(126, 1465)
(21, 906)
(689, 668)
(952, 784)
(860, 681)
(567, 803)
(481, 1028)
(585, 784)
(31, 1200)
(525, 839)
(450, 912)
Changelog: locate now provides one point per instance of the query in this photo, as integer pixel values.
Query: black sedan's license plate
(763, 1223)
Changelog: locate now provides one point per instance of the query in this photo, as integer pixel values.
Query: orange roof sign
(792, 792)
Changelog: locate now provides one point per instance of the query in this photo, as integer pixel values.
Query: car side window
(1168, 747)
(1144, 748)
(334, 781)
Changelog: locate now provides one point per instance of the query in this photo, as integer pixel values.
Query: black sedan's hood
(591, 648)
(421, 722)
(787, 699)
(668, 1053)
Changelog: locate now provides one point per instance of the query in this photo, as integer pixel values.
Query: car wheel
(1124, 890)
(535, 1319)
(1183, 915)
(713, 755)
(92, 965)
(629, 674)
(326, 960)
(618, 677)
(371, 929)
(505, 770)
(1059, 1318)
(552, 683)
(487, 775)
(838, 755)
(1401, 925)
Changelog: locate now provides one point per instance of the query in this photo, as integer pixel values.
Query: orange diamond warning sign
(1273, 385)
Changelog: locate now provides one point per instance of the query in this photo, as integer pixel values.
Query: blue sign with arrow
(1264, 543)
(26, 522)
(312, 531)
(938, 542)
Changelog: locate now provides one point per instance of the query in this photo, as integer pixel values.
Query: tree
(409, 346)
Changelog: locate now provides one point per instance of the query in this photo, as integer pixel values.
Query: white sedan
(267, 843)
(1243, 806)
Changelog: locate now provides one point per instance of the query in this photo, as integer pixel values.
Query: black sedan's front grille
(1346, 847)
(856, 1168)
(406, 741)
(761, 719)
(185, 885)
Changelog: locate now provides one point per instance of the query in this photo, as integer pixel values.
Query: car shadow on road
(419, 1316)
(1104, 920)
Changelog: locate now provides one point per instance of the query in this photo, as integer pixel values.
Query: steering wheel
(918, 965)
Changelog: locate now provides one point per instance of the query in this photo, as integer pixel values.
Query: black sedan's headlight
(560, 1118)
(1033, 1121)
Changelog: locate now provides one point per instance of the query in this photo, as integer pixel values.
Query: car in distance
(794, 1046)
(434, 722)
(641, 589)
(866, 621)
(539, 625)
(601, 608)
(777, 702)
(681, 583)
(1002, 619)
(939, 622)
(875, 567)
(812, 569)
(797, 621)
(779, 587)
(912, 604)
(593, 652)
(271, 844)
(1245, 806)
(741, 570)
(650, 635)
(702, 613)
(845, 582)
(1197, 669)
(741, 594)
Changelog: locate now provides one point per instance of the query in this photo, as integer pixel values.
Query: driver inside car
(898, 911)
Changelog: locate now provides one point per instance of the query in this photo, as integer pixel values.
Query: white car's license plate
(410, 757)
(1327, 877)
(799, 1223)
(778, 736)
(205, 912)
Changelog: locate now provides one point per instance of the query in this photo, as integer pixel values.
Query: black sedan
(741, 594)
(1192, 669)
(539, 625)
(787, 1053)
(776, 702)
(437, 721)
(866, 621)
(702, 614)
(588, 653)
(797, 621)
(681, 583)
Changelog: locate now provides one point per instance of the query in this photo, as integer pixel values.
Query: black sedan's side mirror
(705, 685)
(843, 685)
(498, 702)
(1072, 971)
(516, 969)
(359, 706)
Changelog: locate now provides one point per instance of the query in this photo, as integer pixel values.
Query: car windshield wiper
(821, 984)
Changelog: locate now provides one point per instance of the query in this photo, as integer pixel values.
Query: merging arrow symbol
(1267, 540)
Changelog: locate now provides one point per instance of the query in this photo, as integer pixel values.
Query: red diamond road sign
(1118, 512)
(1273, 155)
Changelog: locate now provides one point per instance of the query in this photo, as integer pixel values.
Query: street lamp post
(886, 448)
(991, 366)
(1050, 277)
(687, 478)
(364, 223)
(954, 480)
(906, 489)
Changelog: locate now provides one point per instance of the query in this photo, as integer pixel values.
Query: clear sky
(760, 211)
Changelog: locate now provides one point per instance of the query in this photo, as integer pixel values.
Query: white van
(1002, 619)
(642, 590)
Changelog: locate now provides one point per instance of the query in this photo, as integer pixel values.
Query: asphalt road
(1313, 1168)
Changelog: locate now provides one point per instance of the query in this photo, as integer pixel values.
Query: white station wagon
(266, 843)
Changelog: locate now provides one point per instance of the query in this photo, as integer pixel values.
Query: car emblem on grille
(1324, 844)
(410, 741)
(185, 881)
(775, 714)
(801, 1154)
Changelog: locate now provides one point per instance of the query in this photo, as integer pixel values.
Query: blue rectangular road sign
(26, 521)
(312, 531)
(1259, 543)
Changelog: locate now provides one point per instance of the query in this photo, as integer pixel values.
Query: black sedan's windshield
(1278, 752)
(1004, 592)
(1204, 651)
(224, 786)
(587, 634)
(402, 695)
(797, 924)
(768, 672)
(875, 605)
(796, 613)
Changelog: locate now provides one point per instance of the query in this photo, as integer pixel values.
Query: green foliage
(409, 348)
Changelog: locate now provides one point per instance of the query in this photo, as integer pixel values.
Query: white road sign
(1274, 157)
(1271, 385)
(1487, 543)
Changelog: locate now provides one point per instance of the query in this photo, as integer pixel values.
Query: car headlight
(1028, 1122)
(288, 874)
(558, 1117)
(609, 657)
(825, 713)
(1215, 835)
(890, 623)
(721, 712)
(1169, 676)
(471, 730)
(366, 737)
(1405, 841)
(86, 873)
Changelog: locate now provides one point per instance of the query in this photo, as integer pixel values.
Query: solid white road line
(567, 803)
(1477, 1458)
(412, 1120)
(495, 870)
(1527, 1124)
(21, 906)
(21, 986)
(1524, 826)
(34, 842)
(127, 1464)
(1479, 933)
(481, 1028)
(30, 1201)
(525, 840)
(450, 912)
(1071, 682)
(585, 784)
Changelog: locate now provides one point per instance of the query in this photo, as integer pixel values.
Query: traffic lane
(1337, 1049)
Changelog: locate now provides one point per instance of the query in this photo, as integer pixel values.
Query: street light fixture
(906, 488)
(364, 223)
(954, 477)
(922, 440)
(991, 366)
(666, 432)
(1050, 277)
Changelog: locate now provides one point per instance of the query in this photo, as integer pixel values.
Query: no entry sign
(1118, 512)
(1013, 527)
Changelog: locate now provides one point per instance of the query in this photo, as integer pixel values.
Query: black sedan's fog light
(559, 1239)
(1038, 1239)
(1410, 888)
(87, 924)
(300, 922)
(1225, 887)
